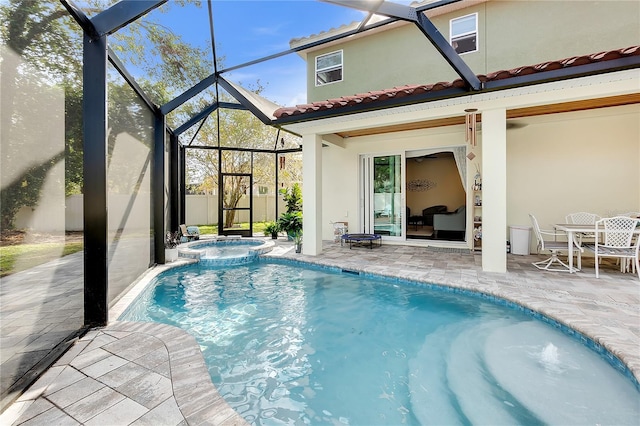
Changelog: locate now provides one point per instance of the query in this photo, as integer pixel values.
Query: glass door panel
(388, 195)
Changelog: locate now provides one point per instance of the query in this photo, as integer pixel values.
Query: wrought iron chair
(632, 215)
(553, 246)
(583, 218)
(617, 241)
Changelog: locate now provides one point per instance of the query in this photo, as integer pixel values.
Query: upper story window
(464, 33)
(329, 68)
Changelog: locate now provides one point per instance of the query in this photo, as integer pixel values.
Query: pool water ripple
(287, 344)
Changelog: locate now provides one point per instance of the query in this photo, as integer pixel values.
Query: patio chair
(554, 247)
(583, 218)
(189, 233)
(617, 242)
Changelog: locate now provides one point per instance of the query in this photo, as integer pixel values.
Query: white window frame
(335, 67)
(451, 35)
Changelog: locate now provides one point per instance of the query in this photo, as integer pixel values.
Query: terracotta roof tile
(419, 89)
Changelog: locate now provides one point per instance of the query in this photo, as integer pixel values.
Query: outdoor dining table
(572, 229)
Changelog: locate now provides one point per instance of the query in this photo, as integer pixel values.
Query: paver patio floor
(142, 373)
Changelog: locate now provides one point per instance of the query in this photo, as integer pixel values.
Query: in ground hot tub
(224, 251)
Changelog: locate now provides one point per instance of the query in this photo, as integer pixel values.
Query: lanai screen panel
(201, 183)
(199, 133)
(130, 153)
(264, 189)
(162, 51)
(241, 129)
(40, 183)
(236, 167)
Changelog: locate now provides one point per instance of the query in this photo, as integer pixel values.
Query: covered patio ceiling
(512, 114)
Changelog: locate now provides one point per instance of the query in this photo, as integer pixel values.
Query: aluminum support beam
(176, 175)
(119, 66)
(95, 112)
(205, 113)
(410, 14)
(157, 180)
(123, 13)
(364, 26)
(447, 51)
(181, 194)
(195, 119)
(188, 94)
(435, 5)
(81, 18)
(391, 10)
(244, 101)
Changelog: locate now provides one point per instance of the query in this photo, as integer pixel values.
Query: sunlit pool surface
(293, 345)
(227, 251)
(216, 253)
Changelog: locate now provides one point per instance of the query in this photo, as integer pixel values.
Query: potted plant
(272, 228)
(291, 220)
(171, 241)
(293, 198)
(291, 223)
(297, 241)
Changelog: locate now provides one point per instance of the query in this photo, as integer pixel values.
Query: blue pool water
(215, 253)
(293, 345)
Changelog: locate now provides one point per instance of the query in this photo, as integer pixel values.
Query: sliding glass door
(383, 201)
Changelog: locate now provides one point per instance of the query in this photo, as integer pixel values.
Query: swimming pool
(289, 344)
(225, 251)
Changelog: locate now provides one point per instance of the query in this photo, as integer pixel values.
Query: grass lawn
(16, 258)
(258, 228)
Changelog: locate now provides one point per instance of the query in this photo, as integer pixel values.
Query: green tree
(46, 38)
(239, 129)
(49, 45)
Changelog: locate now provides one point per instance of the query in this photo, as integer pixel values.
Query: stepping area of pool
(153, 374)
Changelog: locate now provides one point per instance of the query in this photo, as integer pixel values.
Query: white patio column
(494, 190)
(312, 194)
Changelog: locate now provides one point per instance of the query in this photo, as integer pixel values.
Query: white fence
(200, 210)
(203, 209)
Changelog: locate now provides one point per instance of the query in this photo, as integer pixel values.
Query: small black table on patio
(361, 239)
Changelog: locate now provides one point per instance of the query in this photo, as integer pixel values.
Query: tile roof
(409, 91)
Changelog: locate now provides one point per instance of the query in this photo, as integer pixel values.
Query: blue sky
(246, 30)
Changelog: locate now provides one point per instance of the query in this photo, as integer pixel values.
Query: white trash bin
(520, 239)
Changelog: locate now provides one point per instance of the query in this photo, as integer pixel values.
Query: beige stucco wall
(557, 164)
(572, 162)
(510, 34)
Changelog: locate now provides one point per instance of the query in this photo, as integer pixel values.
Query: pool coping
(190, 250)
